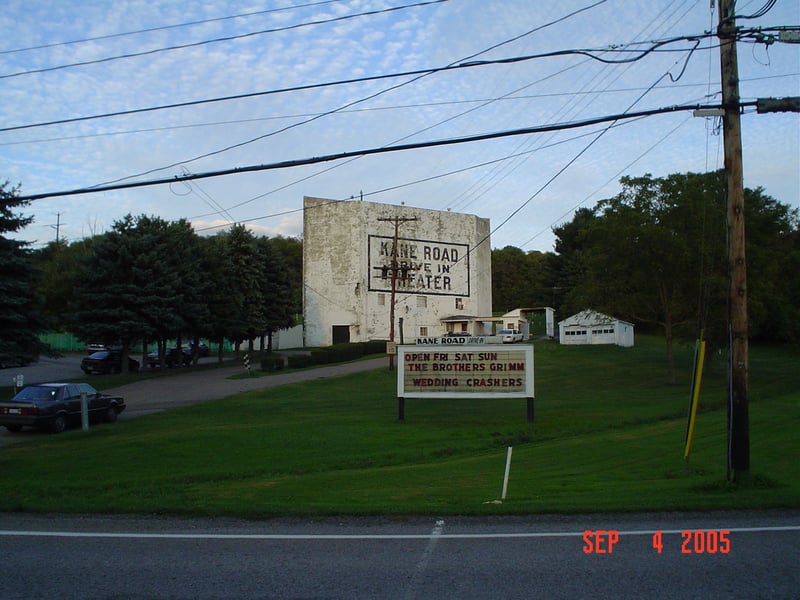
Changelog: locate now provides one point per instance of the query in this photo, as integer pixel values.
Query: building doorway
(341, 334)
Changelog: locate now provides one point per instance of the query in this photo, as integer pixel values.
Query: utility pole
(738, 420)
(394, 268)
(57, 227)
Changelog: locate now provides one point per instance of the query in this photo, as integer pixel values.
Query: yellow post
(697, 378)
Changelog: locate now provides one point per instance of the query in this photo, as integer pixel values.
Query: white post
(505, 477)
(84, 412)
(19, 381)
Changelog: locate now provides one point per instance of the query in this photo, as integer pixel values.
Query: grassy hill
(608, 435)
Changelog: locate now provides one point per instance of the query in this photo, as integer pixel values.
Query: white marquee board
(465, 371)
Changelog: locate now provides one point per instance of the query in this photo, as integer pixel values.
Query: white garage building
(592, 327)
(443, 270)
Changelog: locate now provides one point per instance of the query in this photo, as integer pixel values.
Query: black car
(55, 406)
(202, 349)
(170, 357)
(107, 361)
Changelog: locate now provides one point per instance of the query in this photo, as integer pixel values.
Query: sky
(79, 61)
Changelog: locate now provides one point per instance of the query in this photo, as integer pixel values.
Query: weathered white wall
(345, 246)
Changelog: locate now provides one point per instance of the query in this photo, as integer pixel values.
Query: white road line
(436, 534)
(422, 565)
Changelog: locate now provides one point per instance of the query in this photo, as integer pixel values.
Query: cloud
(442, 105)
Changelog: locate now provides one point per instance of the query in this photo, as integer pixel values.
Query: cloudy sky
(81, 60)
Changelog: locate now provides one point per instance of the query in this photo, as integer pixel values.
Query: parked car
(107, 361)
(511, 336)
(170, 358)
(55, 406)
(202, 349)
(91, 348)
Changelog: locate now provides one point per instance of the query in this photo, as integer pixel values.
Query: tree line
(146, 281)
(654, 254)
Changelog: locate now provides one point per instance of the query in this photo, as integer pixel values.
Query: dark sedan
(107, 361)
(55, 406)
(170, 357)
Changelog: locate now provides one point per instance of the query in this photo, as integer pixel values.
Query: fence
(281, 340)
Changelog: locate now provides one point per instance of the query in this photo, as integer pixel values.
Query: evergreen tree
(276, 289)
(108, 305)
(20, 323)
(246, 294)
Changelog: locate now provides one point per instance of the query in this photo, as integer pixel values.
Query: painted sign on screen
(423, 266)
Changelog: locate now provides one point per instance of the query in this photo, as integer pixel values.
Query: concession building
(356, 252)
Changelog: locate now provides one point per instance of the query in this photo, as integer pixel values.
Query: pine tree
(20, 322)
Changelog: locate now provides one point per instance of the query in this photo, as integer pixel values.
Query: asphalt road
(448, 557)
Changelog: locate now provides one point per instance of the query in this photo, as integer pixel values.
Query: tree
(568, 265)
(291, 251)
(655, 254)
(141, 281)
(773, 258)
(218, 285)
(108, 305)
(20, 322)
(651, 249)
(57, 265)
(168, 274)
(519, 279)
(276, 289)
(249, 314)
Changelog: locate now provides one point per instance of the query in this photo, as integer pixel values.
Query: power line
(493, 47)
(373, 151)
(409, 183)
(165, 27)
(369, 97)
(217, 40)
(501, 172)
(417, 72)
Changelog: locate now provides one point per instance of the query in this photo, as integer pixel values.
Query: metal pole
(84, 412)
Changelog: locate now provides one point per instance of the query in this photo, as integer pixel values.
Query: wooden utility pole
(738, 420)
(394, 268)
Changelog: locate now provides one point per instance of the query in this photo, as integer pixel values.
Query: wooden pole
(394, 268)
(738, 421)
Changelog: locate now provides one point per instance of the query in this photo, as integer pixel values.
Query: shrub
(299, 361)
(374, 347)
(321, 356)
(272, 363)
(342, 352)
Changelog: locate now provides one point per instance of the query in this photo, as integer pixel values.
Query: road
(448, 557)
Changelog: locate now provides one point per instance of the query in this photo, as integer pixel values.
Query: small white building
(524, 319)
(592, 327)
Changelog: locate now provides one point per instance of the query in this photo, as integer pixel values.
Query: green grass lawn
(608, 435)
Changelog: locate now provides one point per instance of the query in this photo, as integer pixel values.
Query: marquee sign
(465, 371)
(424, 266)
